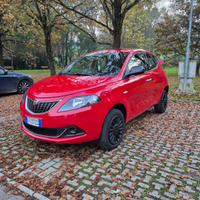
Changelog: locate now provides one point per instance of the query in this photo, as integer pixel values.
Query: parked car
(93, 97)
(14, 82)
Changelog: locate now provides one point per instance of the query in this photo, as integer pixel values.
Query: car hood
(61, 85)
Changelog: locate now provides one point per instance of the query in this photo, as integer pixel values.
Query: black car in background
(14, 82)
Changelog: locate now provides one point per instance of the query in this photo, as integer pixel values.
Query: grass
(172, 74)
(174, 82)
(36, 71)
(171, 71)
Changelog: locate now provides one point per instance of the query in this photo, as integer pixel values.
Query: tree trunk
(197, 69)
(117, 24)
(1, 54)
(116, 39)
(49, 52)
(12, 62)
(66, 56)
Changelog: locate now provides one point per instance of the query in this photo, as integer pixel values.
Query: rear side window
(136, 61)
(152, 62)
(1, 71)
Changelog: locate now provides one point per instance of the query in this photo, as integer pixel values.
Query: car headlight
(23, 98)
(79, 102)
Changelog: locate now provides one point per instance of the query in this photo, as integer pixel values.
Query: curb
(26, 190)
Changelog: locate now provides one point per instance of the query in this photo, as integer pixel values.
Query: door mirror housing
(135, 71)
(5, 71)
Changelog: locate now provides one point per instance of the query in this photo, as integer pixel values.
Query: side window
(136, 61)
(152, 63)
(1, 71)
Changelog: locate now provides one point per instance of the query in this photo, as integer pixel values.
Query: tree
(109, 17)
(26, 56)
(72, 44)
(136, 28)
(44, 18)
(8, 26)
(172, 34)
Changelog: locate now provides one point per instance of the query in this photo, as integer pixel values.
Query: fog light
(73, 130)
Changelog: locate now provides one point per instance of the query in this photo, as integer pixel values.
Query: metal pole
(188, 49)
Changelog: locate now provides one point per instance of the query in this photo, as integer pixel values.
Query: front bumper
(87, 120)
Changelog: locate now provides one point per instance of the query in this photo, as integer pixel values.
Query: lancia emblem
(35, 102)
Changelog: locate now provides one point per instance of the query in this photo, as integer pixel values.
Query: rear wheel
(162, 105)
(112, 130)
(23, 86)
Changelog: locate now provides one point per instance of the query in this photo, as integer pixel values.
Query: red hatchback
(94, 96)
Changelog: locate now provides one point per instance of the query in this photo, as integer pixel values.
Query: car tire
(162, 105)
(22, 86)
(112, 130)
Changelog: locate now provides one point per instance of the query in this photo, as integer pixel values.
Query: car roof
(113, 50)
(119, 50)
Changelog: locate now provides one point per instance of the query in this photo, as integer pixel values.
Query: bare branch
(90, 36)
(85, 16)
(128, 7)
(35, 19)
(38, 9)
(106, 9)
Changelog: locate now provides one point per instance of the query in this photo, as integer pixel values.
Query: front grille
(69, 131)
(48, 132)
(41, 107)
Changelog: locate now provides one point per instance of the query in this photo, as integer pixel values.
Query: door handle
(149, 80)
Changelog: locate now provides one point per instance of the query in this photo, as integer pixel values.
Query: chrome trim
(35, 102)
(26, 106)
(148, 80)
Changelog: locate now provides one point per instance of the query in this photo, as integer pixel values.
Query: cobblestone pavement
(159, 158)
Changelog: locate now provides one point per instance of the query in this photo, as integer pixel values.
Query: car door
(2, 84)
(7, 82)
(152, 64)
(139, 94)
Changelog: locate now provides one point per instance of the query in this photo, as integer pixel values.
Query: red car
(94, 96)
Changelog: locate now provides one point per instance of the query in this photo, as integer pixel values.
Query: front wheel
(162, 105)
(23, 86)
(112, 130)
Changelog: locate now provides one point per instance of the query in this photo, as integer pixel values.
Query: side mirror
(5, 71)
(135, 71)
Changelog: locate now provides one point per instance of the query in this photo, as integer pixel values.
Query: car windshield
(96, 64)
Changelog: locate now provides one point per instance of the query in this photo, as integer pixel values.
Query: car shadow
(9, 94)
(78, 152)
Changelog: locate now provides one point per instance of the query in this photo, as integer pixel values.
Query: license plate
(33, 121)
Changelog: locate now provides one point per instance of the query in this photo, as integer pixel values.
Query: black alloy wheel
(116, 130)
(164, 101)
(23, 86)
(162, 105)
(112, 130)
